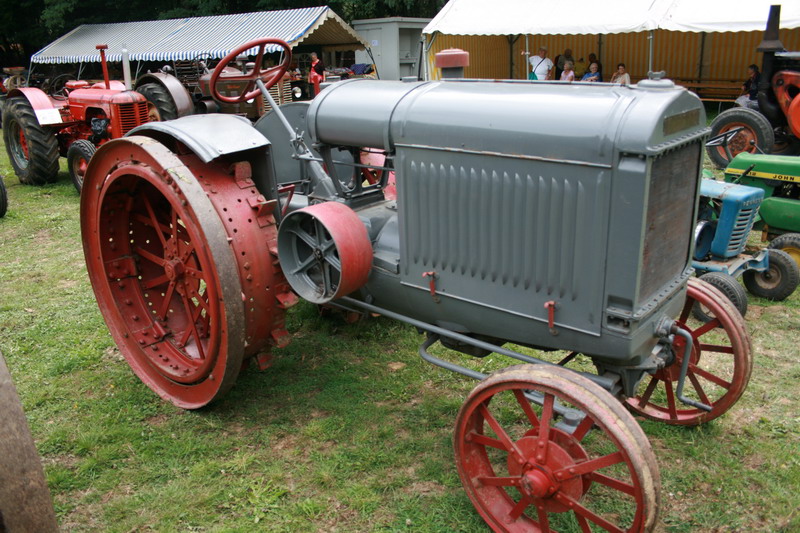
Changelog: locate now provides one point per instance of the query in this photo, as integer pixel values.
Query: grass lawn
(349, 430)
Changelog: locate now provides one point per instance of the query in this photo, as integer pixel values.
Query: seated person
(749, 94)
(592, 75)
(568, 74)
(620, 76)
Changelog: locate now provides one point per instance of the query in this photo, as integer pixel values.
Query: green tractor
(779, 215)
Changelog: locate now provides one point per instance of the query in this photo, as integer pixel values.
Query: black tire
(32, 149)
(160, 104)
(3, 198)
(756, 128)
(778, 282)
(789, 243)
(730, 287)
(78, 156)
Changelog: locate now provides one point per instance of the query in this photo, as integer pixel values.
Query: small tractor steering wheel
(269, 76)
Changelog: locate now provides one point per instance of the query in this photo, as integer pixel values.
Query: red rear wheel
(185, 305)
(525, 470)
(719, 369)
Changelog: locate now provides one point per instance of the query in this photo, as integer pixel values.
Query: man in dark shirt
(749, 95)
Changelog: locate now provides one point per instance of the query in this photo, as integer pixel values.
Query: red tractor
(775, 126)
(38, 128)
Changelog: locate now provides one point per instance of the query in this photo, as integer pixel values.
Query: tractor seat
(76, 84)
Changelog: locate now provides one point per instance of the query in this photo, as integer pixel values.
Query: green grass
(333, 436)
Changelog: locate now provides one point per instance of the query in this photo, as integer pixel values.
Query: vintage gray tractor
(200, 232)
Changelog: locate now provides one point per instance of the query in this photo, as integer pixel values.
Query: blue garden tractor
(725, 218)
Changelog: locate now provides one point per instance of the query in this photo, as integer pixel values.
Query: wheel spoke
(698, 388)
(508, 444)
(583, 428)
(648, 392)
(155, 282)
(499, 481)
(526, 407)
(673, 410)
(518, 509)
(710, 377)
(192, 329)
(585, 527)
(305, 237)
(580, 510)
(590, 466)
(544, 522)
(716, 348)
(615, 484)
(479, 438)
(162, 312)
(705, 328)
(153, 258)
(333, 261)
(544, 427)
(327, 285)
(160, 229)
(307, 262)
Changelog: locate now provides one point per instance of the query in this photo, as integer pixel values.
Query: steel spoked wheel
(164, 277)
(526, 470)
(719, 369)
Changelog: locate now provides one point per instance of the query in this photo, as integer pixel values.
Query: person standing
(316, 73)
(541, 65)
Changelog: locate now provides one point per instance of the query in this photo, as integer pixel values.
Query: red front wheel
(719, 368)
(526, 469)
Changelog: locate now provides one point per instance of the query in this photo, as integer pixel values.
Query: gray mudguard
(208, 136)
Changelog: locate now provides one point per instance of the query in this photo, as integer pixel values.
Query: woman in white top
(620, 76)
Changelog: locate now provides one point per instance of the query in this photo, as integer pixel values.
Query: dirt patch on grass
(425, 488)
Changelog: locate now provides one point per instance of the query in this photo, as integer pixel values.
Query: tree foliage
(29, 25)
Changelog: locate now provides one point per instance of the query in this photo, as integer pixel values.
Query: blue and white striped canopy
(188, 38)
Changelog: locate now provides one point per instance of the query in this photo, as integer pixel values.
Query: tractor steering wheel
(269, 76)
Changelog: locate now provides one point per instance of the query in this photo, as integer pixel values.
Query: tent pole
(511, 55)
(702, 55)
(527, 57)
(650, 38)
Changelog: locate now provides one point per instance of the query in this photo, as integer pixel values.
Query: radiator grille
(509, 239)
(669, 218)
(131, 115)
(741, 230)
(280, 92)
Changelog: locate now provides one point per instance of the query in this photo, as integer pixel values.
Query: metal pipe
(607, 383)
(687, 354)
(650, 39)
(126, 68)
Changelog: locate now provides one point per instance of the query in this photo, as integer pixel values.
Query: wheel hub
(538, 476)
(174, 269)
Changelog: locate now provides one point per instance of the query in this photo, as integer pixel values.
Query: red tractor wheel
(719, 368)
(756, 134)
(78, 156)
(33, 150)
(526, 468)
(181, 266)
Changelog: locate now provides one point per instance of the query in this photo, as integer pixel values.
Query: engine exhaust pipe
(769, 45)
(103, 48)
(126, 68)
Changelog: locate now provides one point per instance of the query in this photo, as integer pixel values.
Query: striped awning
(188, 38)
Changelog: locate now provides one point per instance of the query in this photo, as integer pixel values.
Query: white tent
(539, 17)
(581, 17)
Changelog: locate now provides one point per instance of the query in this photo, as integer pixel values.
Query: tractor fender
(179, 94)
(201, 134)
(45, 108)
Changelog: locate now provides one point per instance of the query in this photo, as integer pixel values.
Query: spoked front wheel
(526, 470)
(719, 368)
